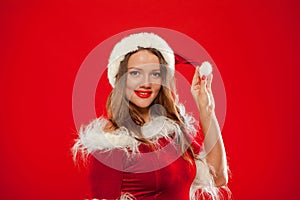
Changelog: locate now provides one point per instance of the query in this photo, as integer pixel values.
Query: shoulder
(101, 134)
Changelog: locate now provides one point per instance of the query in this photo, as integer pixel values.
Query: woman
(148, 147)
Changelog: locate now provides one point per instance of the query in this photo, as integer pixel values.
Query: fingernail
(203, 77)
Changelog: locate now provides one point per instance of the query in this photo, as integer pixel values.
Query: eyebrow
(134, 68)
(140, 69)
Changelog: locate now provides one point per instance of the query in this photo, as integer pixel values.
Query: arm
(213, 142)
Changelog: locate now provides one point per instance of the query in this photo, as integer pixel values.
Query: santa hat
(132, 43)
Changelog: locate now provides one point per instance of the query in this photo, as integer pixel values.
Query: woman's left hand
(203, 96)
(213, 143)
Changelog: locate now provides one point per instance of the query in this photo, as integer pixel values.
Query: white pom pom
(205, 69)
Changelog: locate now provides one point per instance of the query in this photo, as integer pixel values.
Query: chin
(142, 105)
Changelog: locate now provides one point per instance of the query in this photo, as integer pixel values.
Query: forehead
(143, 58)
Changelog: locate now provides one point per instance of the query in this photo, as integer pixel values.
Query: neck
(145, 113)
(142, 112)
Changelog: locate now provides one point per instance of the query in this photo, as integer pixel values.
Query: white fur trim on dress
(203, 182)
(130, 44)
(93, 137)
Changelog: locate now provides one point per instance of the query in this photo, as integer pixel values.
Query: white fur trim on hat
(130, 44)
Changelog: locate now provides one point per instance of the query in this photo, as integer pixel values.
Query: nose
(146, 82)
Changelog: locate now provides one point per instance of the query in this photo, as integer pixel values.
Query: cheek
(130, 87)
(158, 84)
(156, 88)
(128, 93)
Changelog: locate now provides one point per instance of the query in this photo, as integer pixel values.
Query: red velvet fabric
(172, 181)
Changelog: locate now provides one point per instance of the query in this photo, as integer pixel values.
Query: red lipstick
(143, 93)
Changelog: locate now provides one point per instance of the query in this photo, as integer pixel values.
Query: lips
(143, 93)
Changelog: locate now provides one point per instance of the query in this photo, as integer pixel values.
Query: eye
(156, 74)
(134, 73)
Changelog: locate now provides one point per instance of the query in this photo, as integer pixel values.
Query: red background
(254, 43)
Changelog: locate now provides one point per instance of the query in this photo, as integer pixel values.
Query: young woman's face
(143, 78)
